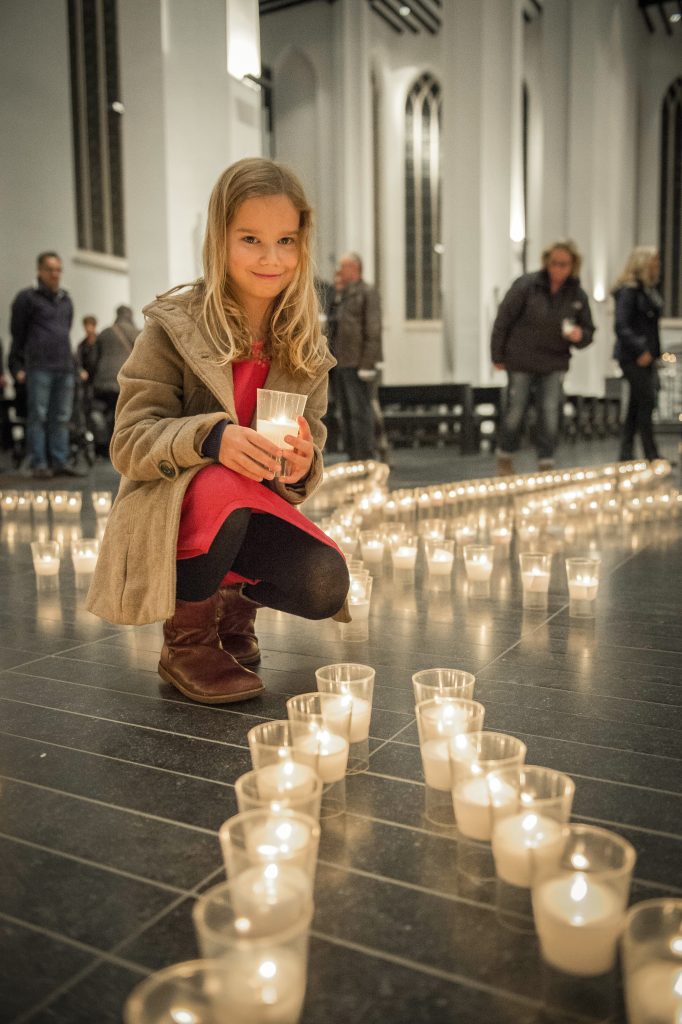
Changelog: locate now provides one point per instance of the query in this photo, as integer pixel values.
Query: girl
(203, 532)
(638, 310)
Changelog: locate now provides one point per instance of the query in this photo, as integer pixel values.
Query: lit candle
(46, 565)
(436, 764)
(278, 838)
(276, 429)
(405, 557)
(583, 588)
(523, 842)
(654, 993)
(330, 752)
(361, 713)
(440, 562)
(257, 987)
(372, 551)
(479, 568)
(578, 921)
(536, 581)
(85, 561)
(473, 801)
(286, 778)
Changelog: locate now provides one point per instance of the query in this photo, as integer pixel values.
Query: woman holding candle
(203, 531)
(638, 309)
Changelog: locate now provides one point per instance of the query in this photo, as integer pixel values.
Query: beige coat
(172, 394)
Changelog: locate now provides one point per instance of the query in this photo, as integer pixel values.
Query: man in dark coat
(114, 345)
(41, 357)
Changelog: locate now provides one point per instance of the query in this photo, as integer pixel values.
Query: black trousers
(643, 381)
(296, 572)
(355, 400)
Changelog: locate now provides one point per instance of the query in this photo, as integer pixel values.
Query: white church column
(185, 120)
(553, 97)
(482, 131)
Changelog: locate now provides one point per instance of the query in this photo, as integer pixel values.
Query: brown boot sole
(225, 698)
(249, 659)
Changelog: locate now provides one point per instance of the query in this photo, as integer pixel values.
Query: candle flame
(579, 888)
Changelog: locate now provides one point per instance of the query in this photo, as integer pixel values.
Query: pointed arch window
(671, 200)
(423, 118)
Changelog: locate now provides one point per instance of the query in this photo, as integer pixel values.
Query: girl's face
(263, 248)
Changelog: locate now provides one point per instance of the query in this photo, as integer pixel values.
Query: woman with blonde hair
(203, 531)
(638, 310)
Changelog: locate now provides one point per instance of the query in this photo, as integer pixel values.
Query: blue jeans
(50, 402)
(355, 398)
(547, 390)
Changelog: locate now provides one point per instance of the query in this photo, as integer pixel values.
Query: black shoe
(42, 473)
(69, 471)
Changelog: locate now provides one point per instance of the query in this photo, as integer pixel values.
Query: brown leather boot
(236, 625)
(193, 661)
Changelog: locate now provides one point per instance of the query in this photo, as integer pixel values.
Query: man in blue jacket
(41, 356)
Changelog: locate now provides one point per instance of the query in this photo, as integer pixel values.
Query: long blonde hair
(636, 269)
(294, 339)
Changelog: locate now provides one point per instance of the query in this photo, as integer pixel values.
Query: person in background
(357, 347)
(543, 316)
(638, 310)
(114, 345)
(41, 357)
(86, 353)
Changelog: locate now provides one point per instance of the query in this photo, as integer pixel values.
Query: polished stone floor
(112, 786)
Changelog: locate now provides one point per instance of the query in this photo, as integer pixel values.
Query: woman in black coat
(638, 310)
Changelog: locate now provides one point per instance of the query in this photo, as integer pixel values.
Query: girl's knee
(327, 590)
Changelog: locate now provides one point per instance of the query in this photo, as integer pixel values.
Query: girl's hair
(636, 269)
(295, 339)
(569, 246)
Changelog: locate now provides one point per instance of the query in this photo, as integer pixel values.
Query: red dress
(216, 491)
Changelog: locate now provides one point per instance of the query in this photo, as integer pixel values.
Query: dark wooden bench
(487, 412)
(428, 414)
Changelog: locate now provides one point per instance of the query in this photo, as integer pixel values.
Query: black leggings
(297, 573)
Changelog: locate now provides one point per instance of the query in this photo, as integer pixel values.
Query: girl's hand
(247, 452)
(300, 458)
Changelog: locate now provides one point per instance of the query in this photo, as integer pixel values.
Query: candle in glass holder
(101, 502)
(276, 429)
(654, 993)
(405, 554)
(478, 562)
(372, 547)
(524, 841)
(473, 804)
(84, 555)
(46, 565)
(278, 837)
(329, 751)
(284, 778)
(440, 557)
(578, 920)
(583, 588)
(9, 501)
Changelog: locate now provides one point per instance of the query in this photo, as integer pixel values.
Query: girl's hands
(247, 452)
(298, 459)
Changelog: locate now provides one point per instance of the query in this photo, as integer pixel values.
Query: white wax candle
(269, 895)
(278, 838)
(276, 429)
(372, 551)
(578, 921)
(583, 588)
(360, 713)
(501, 535)
(654, 993)
(261, 987)
(405, 557)
(436, 764)
(523, 842)
(479, 569)
(472, 801)
(359, 610)
(440, 562)
(536, 581)
(329, 751)
(85, 561)
(284, 779)
(46, 565)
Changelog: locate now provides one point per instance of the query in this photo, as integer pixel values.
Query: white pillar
(482, 130)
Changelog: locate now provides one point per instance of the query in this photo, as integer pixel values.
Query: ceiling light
(676, 17)
(404, 11)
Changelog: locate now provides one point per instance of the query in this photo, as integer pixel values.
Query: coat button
(167, 469)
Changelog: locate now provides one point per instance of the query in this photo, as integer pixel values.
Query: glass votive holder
(359, 597)
(478, 562)
(58, 500)
(579, 905)
(528, 832)
(276, 417)
(188, 991)
(443, 683)
(256, 927)
(348, 542)
(320, 731)
(84, 557)
(392, 532)
(9, 501)
(433, 529)
(372, 548)
(535, 573)
(101, 502)
(404, 553)
(270, 743)
(285, 785)
(353, 684)
(24, 502)
(355, 565)
(652, 962)
(263, 836)
(440, 558)
(438, 722)
(465, 530)
(74, 503)
(39, 502)
(475, 763)
(583, 582)
(46, 559)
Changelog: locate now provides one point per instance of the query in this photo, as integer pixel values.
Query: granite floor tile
(97, 997)
(32, 964)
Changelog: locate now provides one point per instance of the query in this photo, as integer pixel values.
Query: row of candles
(58, 502)
(252, 930)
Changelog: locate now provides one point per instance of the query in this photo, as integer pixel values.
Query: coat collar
(185, 334)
